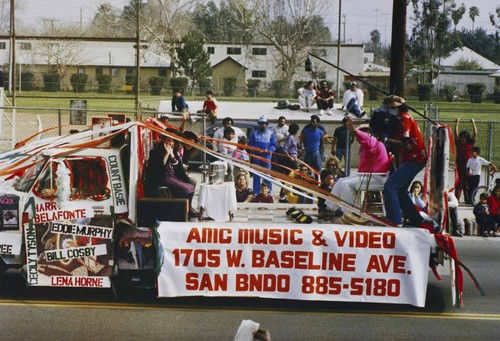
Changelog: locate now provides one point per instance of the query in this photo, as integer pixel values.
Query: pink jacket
(373, 157)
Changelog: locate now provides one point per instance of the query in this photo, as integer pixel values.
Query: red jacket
(494, 205)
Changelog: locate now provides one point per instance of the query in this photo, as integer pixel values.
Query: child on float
(264, 197)
(244, 193)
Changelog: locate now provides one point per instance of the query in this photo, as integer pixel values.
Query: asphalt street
(77, 314)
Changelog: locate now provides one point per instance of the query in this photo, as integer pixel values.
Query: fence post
(59, 121)
(490, 140)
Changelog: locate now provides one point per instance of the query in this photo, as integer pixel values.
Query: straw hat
(393, 101)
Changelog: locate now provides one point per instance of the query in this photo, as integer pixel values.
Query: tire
(478, 192)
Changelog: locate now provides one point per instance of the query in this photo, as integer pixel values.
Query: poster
(78, 112)
(69, 248)
(324, 262)
(9, 209)
(99, 123)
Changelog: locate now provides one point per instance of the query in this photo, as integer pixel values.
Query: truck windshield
(29, 177)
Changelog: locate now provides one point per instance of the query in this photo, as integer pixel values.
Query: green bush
(51, 82)
(299, 84)
(104, 83)
(278, 88)
(156, 83)
(180, 83)
(204, 84)
(475, 91)
(424, 91)
(78, 81)
(447, 92)
(253, 86)
(229, 86)
(27, 80)
(131, 79)
(496, 95)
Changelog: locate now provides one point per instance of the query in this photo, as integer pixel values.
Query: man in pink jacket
(374, 163)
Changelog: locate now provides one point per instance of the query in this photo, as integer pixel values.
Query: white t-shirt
(307, 92)
(474, 165)
(280, 132)
(219, 135)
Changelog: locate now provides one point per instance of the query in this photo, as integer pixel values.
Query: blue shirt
(312, 138)
(179, 103)
(264, 140)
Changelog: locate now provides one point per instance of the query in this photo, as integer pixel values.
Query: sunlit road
(64, 314)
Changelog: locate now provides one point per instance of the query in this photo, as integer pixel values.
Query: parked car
(246, 126)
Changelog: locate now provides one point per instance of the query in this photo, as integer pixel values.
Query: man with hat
(264, 139)
(353, 101)
(409, 141)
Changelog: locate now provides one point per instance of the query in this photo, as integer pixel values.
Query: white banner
(318, 262)
(10, 243)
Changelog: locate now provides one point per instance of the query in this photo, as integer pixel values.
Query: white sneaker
(321, 112)
(330, 112)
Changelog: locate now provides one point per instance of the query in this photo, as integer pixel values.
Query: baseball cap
(262, 119)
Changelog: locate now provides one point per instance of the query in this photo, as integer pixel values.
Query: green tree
(288, 26)
(495, 18)
(473, 13)
(374, 44)
(107, 22)
(431, 38)
(467, 64)
(192, 58)
(219, 23)
(457, 13)
(480, 41)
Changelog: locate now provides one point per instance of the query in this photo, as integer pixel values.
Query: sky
(360, 16)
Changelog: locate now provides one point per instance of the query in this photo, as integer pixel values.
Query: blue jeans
(352, 107)
(256, 178)
(396, 193)
(313, 159)
(341, 153)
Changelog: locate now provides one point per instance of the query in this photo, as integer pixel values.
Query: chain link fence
(22, 122)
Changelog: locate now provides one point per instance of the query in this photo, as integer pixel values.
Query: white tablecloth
(218, 200)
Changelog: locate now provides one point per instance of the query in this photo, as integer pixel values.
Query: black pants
(473, 182)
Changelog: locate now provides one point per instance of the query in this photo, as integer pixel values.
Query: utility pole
(138, 59)
(398, 48)
(12, 76)
(343, 15)
(338, 48)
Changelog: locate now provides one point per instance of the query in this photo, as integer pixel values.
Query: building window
(162, 72)
(259, 51)
(3, 45)
(130, 71)
(210, 50)
(114, 72)
(234, 50)
(80, 69)
(319, 52)
(259, 74)
(99, 71)
(25, 46)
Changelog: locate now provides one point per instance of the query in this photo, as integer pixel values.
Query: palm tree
(473, 13)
